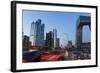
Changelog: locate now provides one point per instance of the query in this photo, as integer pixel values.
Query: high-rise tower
(37, 33)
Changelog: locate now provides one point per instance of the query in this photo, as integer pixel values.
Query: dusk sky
(64, 22)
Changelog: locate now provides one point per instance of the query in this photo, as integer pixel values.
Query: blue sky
(64, 22)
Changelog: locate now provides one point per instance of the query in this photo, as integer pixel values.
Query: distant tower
(55, 37)
(49, 39)
(33, 33)
(42, 35)
(37, 33)
(57, 42)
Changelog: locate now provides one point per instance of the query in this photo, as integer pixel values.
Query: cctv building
(37, 33)
(81, 22)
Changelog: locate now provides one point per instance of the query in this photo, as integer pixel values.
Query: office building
(58, 42)
(25, 42)
(37, 33)
(49, 39)
(55, 37)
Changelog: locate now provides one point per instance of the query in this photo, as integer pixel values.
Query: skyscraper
(49, 39)
(55, 37)
(81, 22)
(58, 42)
(37, 33)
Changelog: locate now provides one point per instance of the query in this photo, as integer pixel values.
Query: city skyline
(64, 22)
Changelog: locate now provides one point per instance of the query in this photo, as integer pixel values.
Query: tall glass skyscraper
(55, 37)
(37, 33)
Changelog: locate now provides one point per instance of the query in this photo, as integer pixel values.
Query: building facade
(58, 42)
(37, 33)
(51, 39)
(81, 22)
(55, 37)
(25, 43)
